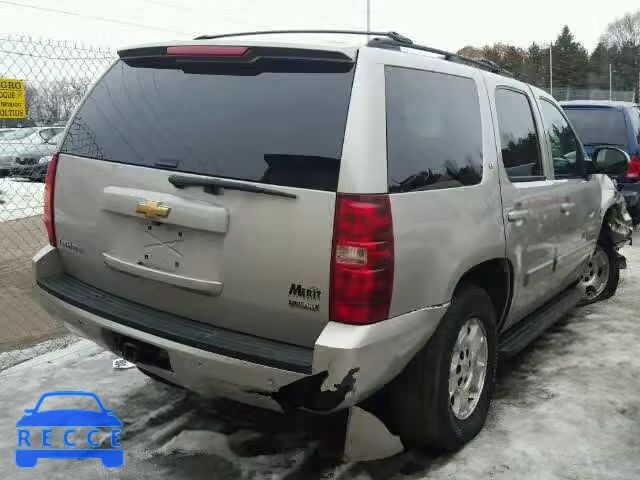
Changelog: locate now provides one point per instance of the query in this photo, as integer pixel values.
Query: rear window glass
(599, 126)
(276, 127)
(434, 132)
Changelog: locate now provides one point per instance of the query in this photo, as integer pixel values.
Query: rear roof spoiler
(249, 54)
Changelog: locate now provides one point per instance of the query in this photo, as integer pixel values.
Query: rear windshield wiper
(213, 185)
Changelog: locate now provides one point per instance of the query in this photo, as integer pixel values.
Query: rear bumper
(347, 364)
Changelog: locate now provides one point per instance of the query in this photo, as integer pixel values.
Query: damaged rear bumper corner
(351, 362)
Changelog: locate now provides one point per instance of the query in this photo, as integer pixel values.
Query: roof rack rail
(395, 36)
(390, 40)
(483, 64)
(494, 65)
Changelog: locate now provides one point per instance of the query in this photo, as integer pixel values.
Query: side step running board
(526, 331)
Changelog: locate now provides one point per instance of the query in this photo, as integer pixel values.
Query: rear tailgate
(135, 213)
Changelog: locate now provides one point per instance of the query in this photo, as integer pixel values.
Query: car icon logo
(38, 419)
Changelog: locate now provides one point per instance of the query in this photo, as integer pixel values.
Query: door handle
(566, 207)
(517, 215)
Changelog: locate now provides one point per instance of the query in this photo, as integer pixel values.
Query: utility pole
(368, 15)
(551, 68)
(610, 82)
(638, 67)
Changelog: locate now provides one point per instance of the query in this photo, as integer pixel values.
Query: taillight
(207, 51)
(362, 259)
(634, 168)
(49, 187)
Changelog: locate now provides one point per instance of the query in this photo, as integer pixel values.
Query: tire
(634, 212)
(604, 249)
(420, 405)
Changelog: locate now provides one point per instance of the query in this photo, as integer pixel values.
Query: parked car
(21, 149)
(605, 123)
(324, 225)
(36, 169)
(5, 131)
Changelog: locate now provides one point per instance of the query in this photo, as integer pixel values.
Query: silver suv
(297, 226)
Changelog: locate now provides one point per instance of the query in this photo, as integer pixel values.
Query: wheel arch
(609, 234)
(494, 276)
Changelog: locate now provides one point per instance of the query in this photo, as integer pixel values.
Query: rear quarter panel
(439, 234)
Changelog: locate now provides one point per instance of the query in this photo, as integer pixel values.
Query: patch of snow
(566, 407)
(20, 198)
(199, 442)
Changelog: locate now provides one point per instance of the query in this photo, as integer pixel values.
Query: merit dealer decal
(305, 298)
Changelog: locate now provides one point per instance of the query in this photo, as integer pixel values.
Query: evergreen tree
(599, 62)
(536, 67)
(508, 57)
(570, 61)
(572, 64)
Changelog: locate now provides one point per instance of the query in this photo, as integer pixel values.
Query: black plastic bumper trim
(199, 335)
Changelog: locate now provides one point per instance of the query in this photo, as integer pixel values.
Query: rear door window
(518, 136)
(599, 126)
(278, 127)
(434, 131)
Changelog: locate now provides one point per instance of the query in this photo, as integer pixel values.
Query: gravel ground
(22, 320)
(568, 407)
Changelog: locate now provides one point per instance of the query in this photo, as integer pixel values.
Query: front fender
(609, 193)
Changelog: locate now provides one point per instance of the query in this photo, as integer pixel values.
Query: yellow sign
(13, 101)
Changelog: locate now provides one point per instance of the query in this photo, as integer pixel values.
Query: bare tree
(623, 32)
(623, 35)
(54, 101)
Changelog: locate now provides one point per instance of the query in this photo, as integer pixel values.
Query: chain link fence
(573, 93)
(56, 75)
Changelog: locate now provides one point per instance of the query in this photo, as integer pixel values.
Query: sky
(448, 25)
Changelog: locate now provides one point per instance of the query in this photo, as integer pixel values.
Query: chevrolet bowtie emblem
(153, 209)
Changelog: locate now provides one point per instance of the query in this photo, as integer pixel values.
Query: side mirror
(29, 410)
(612, 161)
